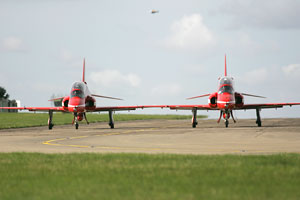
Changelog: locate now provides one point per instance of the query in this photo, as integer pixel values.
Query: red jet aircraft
(79, 102)
(226, 100)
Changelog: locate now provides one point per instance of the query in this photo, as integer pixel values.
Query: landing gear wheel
(111, 119)
(258, 120)
(76, 125)
(226, 123)
(112, 125)
(194, 119)
(194, 125)
(258, 123)
(50, 126)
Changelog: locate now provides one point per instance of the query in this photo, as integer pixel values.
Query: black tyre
(50, 126)
(259, 123)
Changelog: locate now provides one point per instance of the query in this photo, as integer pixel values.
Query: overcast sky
(151, 58)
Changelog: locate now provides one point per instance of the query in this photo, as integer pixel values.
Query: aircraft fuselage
(226, 97)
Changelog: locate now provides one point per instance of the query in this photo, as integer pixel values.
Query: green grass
(139, 176)
(19, 120)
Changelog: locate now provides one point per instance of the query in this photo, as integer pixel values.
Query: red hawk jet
(154, 11)
(226, 100)
(79, 102)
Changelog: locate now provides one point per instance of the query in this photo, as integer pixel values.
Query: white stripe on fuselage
(77, 106)
(225, 101)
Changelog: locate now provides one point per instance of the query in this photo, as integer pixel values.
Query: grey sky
(151, 59)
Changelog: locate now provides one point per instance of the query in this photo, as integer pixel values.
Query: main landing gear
(111, 119)
(194, 119)
(50, 124)
(84, 115)
(258, 120)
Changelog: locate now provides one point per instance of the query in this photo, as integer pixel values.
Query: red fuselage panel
(226, 101)
(76, 104)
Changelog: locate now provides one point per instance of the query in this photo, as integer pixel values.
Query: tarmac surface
(159, 136)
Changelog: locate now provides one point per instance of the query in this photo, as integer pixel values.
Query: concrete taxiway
(159, 136)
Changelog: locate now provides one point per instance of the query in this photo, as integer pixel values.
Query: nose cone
(76, 101)
(76, 104)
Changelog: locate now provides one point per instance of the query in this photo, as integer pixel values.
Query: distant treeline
(8, 103)
(5, 102)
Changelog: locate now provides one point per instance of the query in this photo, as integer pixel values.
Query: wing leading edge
(190, 107)
(124, 108)
(244, 107)
(34, 108)
(265, 106)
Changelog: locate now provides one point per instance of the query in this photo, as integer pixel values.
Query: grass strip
(20, 120)
(140, 176)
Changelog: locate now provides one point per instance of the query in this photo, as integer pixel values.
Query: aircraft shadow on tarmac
(201, 126)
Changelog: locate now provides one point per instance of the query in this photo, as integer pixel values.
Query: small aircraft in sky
(226, 100)
(79, 102)
(154, 11)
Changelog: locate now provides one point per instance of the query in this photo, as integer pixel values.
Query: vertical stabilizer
(225, 66)
(83, 73)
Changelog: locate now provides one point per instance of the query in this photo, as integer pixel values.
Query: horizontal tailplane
(95, 95)
(205, 95)
(251, 95)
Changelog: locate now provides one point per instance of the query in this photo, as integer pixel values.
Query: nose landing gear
(78, 117)
(75, 120)
(226, 123)
(226, 115)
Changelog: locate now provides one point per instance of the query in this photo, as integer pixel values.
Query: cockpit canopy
(226, 81)
(78, 90)
(226, 89)
(226, 84)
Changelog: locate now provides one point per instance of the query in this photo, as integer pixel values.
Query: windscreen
(77, 90)
(227, 89)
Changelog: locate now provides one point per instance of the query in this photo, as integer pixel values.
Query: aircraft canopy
(78, 90)
(227, 89)
(226, 81)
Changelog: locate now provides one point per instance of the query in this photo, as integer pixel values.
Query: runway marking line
(52, 142)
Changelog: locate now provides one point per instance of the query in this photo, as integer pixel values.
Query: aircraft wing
(97, 109)
(190, 107)
(244, 107)
(34, 108)
(265, 106)
(122, 108)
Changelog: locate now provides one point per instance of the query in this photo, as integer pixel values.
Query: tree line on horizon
(5, 101)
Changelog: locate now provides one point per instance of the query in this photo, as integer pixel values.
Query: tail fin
(83, 73)
(225, 66)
